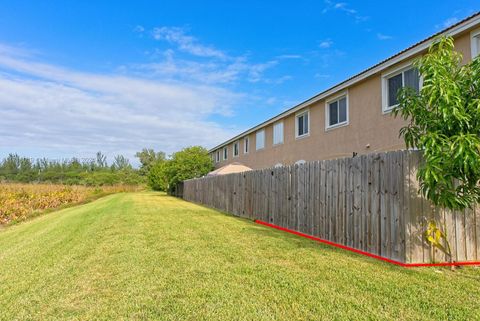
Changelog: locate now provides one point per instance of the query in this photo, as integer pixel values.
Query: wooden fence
(369, 202)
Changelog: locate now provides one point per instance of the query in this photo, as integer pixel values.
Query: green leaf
(443, 120)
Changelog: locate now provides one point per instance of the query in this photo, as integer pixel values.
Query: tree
(147, 158)
(11, 164)
(101, 160)
(444, 122)
(157, 178)
(190, 162)
(121, 163)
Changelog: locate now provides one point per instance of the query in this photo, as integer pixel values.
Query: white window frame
(298, 115)
(474, 39)
(327, 111)
(282, 133)
(386, 76)
(236, 144)
(225, 153)
(256, 139)
(246, 145)
(217, 159)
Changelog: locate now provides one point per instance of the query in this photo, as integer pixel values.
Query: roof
(418, 47)
(230, 169)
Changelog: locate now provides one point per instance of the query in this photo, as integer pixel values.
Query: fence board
(460, 234)
(316, 199)
(369, 202)
(322, 197)
(349, 203)
(329, 201)
(397, 205)
(469, 235)
(357, 201)
(364, 196)
(341, 202)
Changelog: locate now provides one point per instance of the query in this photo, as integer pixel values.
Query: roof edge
(418, 47)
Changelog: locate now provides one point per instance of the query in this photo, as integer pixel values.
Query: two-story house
(352, 117)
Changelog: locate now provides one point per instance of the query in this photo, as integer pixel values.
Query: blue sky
(81, 76)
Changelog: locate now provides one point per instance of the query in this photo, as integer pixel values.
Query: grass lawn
(140, 256)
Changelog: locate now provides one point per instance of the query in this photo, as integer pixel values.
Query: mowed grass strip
(139, 256)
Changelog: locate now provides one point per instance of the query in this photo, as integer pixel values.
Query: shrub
(190, 162)
(444, 122)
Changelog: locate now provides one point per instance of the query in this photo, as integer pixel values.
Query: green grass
(140, 256)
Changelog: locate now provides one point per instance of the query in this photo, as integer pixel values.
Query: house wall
(369, 128)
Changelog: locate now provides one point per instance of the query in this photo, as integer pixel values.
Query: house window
(477, 52)
(217, 159)
(302, 124)
(246, 145)
(392, 83)
(225, 153)
(475, 43)
(278, 133)
(235, 149)
(337, 112)
(260, 141)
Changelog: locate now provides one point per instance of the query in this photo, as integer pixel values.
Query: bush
(444, 122)
(156, 177)
(190, 162)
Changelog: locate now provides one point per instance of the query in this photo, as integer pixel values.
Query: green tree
(157, 178)
(444, 122)
(148, 158)
(101, 160)
(10, 166)
(121, 163)
(190, 162)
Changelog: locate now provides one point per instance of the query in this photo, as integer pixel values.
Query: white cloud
(279, 80)
(186, 43)
(343, 7)
(456, 16)
(326, 44)
(210, 72)
(19, 51)
(139, 29)
(448, 22)
(64, 111)
(382, 36)
(325, 58)
(215, 67)
(289, 57)
(255, 72)
(166, 103)
(271, 100)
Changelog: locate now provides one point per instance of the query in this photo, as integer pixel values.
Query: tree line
(156, 169)
(73, 171)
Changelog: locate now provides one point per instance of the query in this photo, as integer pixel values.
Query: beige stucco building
(352, 117)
